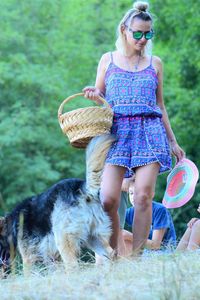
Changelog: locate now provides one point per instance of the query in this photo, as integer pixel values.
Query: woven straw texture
(80, 125)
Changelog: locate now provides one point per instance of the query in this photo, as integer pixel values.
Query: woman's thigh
(112, 181)
(145, 178)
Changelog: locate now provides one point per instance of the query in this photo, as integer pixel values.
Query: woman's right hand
(92, 93)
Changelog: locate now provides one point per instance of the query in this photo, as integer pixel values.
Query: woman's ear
(123, 27)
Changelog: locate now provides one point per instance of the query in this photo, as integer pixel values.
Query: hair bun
(141, 6)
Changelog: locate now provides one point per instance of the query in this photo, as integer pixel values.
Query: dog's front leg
(28, 262)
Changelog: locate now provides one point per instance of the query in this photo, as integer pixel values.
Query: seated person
(191, 238)
(162, 232)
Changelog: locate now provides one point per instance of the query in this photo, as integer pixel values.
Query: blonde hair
(139, 10)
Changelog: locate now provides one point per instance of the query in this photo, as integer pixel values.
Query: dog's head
(4, 245)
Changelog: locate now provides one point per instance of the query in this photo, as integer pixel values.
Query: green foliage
(50, 50)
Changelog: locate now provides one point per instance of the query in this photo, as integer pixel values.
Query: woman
(191, 238)
(132, 83)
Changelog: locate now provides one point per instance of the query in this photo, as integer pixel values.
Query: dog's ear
(2, 223)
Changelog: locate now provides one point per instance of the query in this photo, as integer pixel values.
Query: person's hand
(125, 185)
(92, 93)
(177, 151)
(198, 209)
(191, 222)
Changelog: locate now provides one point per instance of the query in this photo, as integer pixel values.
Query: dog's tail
(96, 153)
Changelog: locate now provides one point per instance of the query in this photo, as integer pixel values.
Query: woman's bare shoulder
(156, 60)
(105, 60)
(157, 63)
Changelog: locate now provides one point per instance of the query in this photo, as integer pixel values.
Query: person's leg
(145, 181)
(128, 241)
(122, 216)
(110, 196)
(183, 243)
(194, 241)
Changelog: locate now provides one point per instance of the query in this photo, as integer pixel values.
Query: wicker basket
(80, 125)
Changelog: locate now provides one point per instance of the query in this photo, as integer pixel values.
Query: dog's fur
(59, 221)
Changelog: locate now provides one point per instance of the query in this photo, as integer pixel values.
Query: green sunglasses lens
(149, 35)
(137, 35)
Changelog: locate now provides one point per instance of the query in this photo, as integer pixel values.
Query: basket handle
(60, 110)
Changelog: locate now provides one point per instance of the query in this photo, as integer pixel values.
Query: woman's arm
(176, 150)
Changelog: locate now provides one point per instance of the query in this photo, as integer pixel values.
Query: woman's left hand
(177, 151)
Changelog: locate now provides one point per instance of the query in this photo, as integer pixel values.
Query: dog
(62, 220)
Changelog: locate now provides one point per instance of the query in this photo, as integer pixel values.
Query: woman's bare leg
(194, 242)
(110, 196)
(182, 245)
(145, 181)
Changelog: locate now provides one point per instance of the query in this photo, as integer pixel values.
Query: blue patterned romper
(137, 122)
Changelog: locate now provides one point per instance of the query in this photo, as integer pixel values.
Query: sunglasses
(137, 35)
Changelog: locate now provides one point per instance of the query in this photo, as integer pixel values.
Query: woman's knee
(196, 225)
(143, 198)
(110, 204)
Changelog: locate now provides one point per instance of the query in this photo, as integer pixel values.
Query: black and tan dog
(58, 222)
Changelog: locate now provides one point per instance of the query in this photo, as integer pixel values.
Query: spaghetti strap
(151, 60)
(111, 57)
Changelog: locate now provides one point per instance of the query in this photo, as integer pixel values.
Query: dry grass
(166, 276)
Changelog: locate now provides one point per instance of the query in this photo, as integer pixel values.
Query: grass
(166, 276)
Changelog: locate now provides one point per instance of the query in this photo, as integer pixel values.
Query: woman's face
(137, 25)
